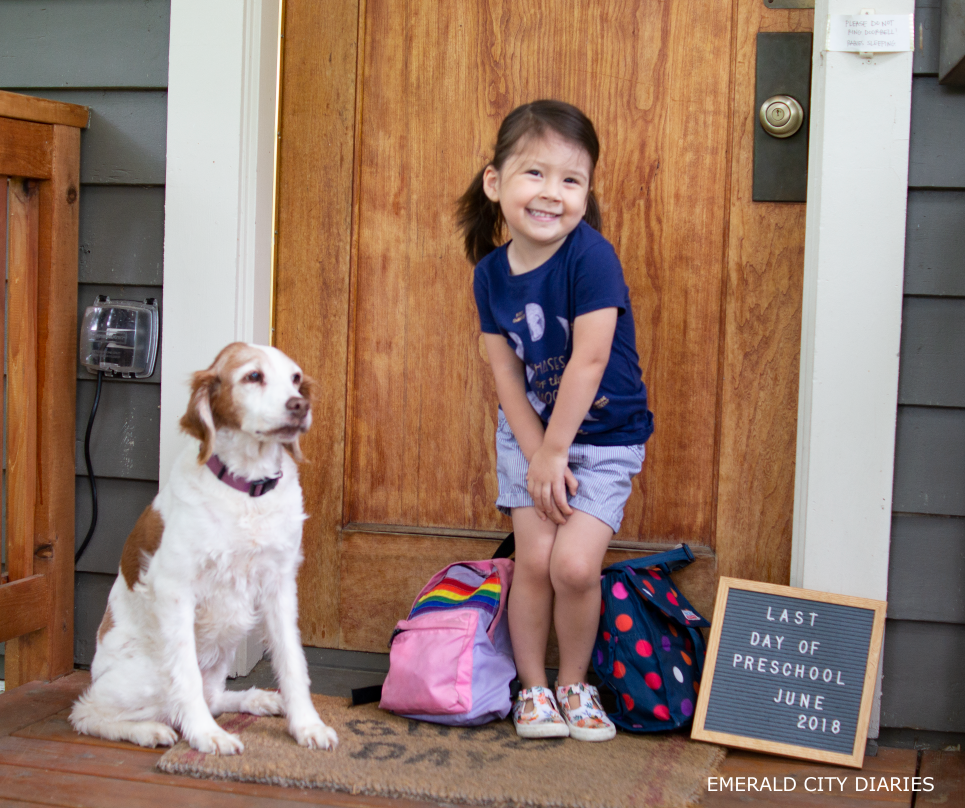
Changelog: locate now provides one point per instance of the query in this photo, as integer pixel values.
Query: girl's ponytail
(480, 219)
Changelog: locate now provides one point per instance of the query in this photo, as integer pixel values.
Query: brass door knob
(781, 116)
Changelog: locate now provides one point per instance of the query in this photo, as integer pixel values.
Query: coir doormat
(384, 755)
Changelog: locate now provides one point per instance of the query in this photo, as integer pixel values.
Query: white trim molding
(218, 198)
(218, 226)
(853, 275)
(851, 326)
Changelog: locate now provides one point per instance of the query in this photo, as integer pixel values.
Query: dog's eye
(297, 378)
(255, 377)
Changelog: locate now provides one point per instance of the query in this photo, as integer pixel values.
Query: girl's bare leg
(531, 595)
(575, 564)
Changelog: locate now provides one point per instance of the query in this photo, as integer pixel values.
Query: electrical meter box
(119, 337)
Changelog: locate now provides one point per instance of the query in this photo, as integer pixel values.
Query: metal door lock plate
(780, 114)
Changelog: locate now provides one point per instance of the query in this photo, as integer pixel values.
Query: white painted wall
(218, 226)
(853, 272)
(218, 196)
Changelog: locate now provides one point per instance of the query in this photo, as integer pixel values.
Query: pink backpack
(451, 661)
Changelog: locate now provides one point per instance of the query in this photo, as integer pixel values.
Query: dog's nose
(297, 405)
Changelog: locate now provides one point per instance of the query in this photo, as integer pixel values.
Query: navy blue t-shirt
(535, 312)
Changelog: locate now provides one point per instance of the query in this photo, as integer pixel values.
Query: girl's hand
(547, 481)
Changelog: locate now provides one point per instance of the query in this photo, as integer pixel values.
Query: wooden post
(49, 653)
(4, 182)
(24, 202)
(40, 156)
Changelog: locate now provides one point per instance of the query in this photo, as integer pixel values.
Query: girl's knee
(574, 574)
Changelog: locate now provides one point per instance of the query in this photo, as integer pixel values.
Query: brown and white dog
(214, 555)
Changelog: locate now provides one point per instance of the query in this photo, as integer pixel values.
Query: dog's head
(254, 389)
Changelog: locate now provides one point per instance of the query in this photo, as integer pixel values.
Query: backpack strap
(669, 561)
(507, 547)
(366, 695)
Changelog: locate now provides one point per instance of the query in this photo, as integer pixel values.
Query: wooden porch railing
(39, 203)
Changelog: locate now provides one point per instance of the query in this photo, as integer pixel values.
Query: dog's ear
(307, 390)
(198, 420)
(294, 450)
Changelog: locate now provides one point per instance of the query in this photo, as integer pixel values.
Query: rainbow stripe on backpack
(453, 593)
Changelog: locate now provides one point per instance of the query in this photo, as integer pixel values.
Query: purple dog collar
(252, 488)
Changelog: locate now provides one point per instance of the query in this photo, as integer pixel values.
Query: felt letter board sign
(790, 671)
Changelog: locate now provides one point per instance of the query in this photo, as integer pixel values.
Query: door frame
(219, 181)
(218, 160)
(851, 325)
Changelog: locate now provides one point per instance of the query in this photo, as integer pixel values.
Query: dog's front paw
(217, 742)
(152, 734)
(316, 735)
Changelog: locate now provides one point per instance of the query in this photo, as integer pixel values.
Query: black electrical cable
(90, 469)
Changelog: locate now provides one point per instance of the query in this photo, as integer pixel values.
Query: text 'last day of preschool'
(798, 698)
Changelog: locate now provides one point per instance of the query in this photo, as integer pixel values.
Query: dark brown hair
(481, 219)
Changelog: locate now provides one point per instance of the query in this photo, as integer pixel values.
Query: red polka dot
(628, 700)
(619, 670)
(654, 574)
(686, 658)
(672, 598)
(649, 587)
(653, 680)
(602, 607)
(696, 687)
(624, 622)
(644, 648)
(606, 636)
(688, 644)
(661, 712)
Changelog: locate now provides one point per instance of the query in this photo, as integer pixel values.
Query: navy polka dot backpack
(649, 650)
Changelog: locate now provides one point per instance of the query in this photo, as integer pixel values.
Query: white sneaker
(544, 720)
(589, 721)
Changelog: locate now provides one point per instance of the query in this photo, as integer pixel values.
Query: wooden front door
(388, 109)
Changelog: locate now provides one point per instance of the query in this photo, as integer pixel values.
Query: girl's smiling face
(542, 191)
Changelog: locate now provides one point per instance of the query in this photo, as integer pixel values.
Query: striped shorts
(604, 474)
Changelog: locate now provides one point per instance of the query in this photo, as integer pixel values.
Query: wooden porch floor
(44, 762)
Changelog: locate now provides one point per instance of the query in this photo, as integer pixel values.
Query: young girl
(573, 420)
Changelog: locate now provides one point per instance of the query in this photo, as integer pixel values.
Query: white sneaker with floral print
(540, 720)
(588, 721)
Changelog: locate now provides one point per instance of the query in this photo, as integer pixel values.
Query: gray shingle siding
(924, 652)
(110, 55)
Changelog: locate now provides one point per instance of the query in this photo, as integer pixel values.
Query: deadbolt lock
(781, 116)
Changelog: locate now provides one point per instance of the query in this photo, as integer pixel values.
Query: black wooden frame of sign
(706, 694)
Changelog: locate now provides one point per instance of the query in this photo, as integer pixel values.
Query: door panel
(416, 447)
(762, 340)
(374, 296)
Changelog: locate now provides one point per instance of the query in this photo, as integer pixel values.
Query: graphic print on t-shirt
(536, 321)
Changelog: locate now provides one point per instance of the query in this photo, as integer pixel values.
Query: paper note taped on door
(867, 33)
